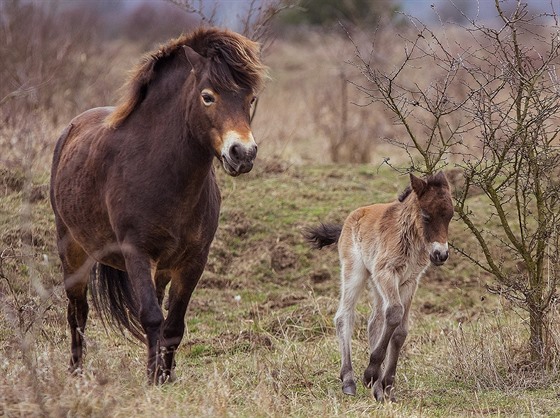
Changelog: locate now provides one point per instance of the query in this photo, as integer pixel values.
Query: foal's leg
(387, 284)
(76, 269)
(353, 279)
(183, 283)
(384, 388)
(376, 321)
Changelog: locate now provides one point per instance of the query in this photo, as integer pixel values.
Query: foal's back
(381, 234)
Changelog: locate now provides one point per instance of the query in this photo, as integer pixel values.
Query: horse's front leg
(387, 285)
(139, 270)
(183, 283)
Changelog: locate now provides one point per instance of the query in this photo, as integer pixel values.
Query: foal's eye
(426, 217)
(253, 100)
(207, 98)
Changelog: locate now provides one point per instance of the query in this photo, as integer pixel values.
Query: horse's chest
(188, 233)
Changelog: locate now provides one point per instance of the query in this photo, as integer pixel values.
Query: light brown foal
(389, 246)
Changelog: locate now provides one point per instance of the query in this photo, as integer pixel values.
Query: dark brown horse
(133, 188)
(388, 246)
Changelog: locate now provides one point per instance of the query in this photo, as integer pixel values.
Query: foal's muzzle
(439, 253)
(238, 156)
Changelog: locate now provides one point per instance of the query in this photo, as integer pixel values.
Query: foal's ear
(193, 57)
(441, 178)
(418, 185)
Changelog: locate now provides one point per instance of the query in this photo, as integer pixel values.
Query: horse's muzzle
(238, 158)
(439, 253)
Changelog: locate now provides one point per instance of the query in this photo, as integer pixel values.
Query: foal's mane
(234, 64)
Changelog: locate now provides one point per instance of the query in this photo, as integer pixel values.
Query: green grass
(260, 339)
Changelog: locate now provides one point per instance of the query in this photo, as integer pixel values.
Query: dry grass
(260, 340)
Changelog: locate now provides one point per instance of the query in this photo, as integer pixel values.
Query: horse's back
(365, 226)
(76, 168)
(369, 217)
(92, 119)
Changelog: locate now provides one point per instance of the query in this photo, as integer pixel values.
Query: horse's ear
(440, 177)
(418, 185)
(193, 57)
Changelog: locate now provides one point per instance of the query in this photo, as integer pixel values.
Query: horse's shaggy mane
(405, 193)
(235, 64)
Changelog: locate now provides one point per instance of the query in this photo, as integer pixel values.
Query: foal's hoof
(382, 394)
(349, 388)
(75, 368)
(378, 393)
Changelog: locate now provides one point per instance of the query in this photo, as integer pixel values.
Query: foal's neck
(410, 222)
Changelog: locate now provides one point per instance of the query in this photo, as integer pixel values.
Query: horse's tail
(113, 297)
(322, 235)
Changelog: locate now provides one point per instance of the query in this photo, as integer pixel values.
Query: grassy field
(260, 339)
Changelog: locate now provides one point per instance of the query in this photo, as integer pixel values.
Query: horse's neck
(410, 222)
(160, 124)
(164, 103)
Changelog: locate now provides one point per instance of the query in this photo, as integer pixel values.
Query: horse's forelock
(234, 60)
(235, 64)
(437, 180)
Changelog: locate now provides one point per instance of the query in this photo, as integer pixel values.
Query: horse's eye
(253, 100)
(426, 217)
(208, 98)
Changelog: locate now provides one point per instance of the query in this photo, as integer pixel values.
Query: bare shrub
(149, 23)
(490, 107)
(48, 72)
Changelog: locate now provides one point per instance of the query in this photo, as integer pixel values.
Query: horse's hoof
(75, 368)
(369, 377)
(169, 376)
(76, 371)
(349, 388)
(378, 393)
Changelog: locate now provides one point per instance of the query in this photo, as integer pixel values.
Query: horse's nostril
(252, 153)
(235, 152)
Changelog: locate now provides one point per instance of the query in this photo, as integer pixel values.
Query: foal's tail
(113, 297)
(322, 235)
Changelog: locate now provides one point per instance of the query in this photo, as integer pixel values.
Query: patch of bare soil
(235, 223)
(282, 257)
(320, 276)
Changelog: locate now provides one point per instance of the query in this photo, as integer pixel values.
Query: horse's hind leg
(385, 388)
(353, 279)
(375, 323)
(387, 284)
(76, 268)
